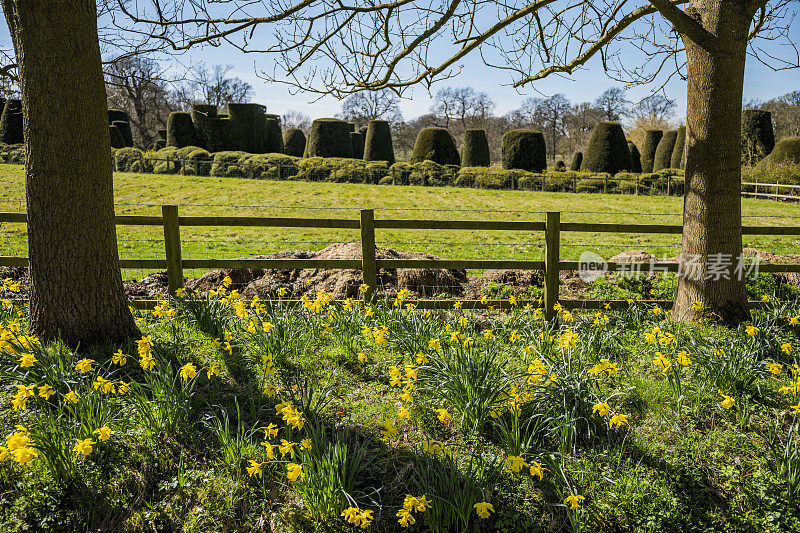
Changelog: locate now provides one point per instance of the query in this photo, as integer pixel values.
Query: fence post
(172, 247)
(552, 231)
(368, 267)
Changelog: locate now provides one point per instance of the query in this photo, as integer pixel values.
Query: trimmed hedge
(636, 158)
(125, 129)
(247, 127)
(607, 150)
(786, 152)
(577, 159)
(117, 115)
(11, 122)
(129, 159)
(329, 137)
(273, 138)
(475, 149)
(117, 140)
(679, 151)
(651, 140)
(294, 142)
(202, 115)
(666, 145)
(180, 130)
(757, 136)
(437, 145)
(378, 142)
(524, 149)
(357, 144)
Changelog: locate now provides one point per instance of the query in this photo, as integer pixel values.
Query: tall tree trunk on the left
(76, 283)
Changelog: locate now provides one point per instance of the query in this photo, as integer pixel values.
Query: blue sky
(584, 85)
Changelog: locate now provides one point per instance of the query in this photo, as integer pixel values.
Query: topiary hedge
(294, 142)
(329, 137)
(180, 130)
(524, 149)
(378, 142)
(663, 157)
(269, 166)
(11, 122)
(226, 163)
(202, 116)
(786, 152)
(487, 177)
(124, 128)
(757, 136)
(475, 149)
(117, 115)
(273, 138)
(437, 145)
(651, 140)
(129, 159)
(577, 159)
(607, 150)
(357, 144)
(636, 158)
(247, 127)
(679, 151)
(117, 140)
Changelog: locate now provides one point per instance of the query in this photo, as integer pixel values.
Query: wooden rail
(174, 262)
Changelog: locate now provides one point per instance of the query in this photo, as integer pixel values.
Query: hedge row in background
(329, 137)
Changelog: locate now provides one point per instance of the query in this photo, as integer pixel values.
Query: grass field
(143, 194)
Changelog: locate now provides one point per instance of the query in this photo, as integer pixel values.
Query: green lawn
(143, 194)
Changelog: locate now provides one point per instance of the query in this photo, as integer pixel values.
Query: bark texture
(712, 203)
(76, 283)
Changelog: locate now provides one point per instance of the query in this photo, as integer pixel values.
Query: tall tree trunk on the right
(712, 231)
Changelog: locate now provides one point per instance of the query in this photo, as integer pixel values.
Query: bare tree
(365, 106)
(550, 115)
(296, 119)
(785, 114)
(580, 122)
(215, 86)
(462, 106)
(140, 86)
(613, 103)
(655, 108)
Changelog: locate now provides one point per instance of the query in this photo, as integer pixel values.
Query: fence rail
(174, 262)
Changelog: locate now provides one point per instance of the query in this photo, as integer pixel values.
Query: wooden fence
(369, 264)
(792, 193)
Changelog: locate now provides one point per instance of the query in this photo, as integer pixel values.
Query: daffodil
(84, 365)
(537, 470)
(618, 420)
(389, 430)
(484, 509)
(254, 469)
(45, 391)
(775, 368)
(295, 472)
(188, 371)
(727, 402)
(515, 463)
(601, 408)
(71, 397)
(443, 415)
(84, 447)
(573, 500)
(104, 433)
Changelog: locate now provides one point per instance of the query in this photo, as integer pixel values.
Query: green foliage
(129, 160)
(124, 128)
(223, 161)
(607, 150)
(475, 150)
(757, 137)
(180, 130)
(663, 156)
(357, 142)
(294, 142)
(488, 177)
(787, 151)
(117, 140)
(524, 150)
(117, 115)
(247, 127)
(651, 141)
(378, 142)
(577, 160)
(329, 137)
(273, 138)
(679, 151)
(437, 145)
(636, 158)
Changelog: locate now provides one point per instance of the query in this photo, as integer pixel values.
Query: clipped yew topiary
(117, 115)
(577, 159)
(475, 150)
(357, 143)
(758, 137)
(202, 115)
(636, 158)
(524, 150)
(663, 157)
(787, 151)
(378, 142)
(363, 131)
(678, 152)
(651, 140)
(437, 145)
(11, 122)
(161, 133)
(117, 141)
(329, 137)
(607, 150)
(294, 142)
(180, 130)
(247, 127)
(125, 129)
(273, 138)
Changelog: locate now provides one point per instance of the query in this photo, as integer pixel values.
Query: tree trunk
(76, 284)
(712, 219)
